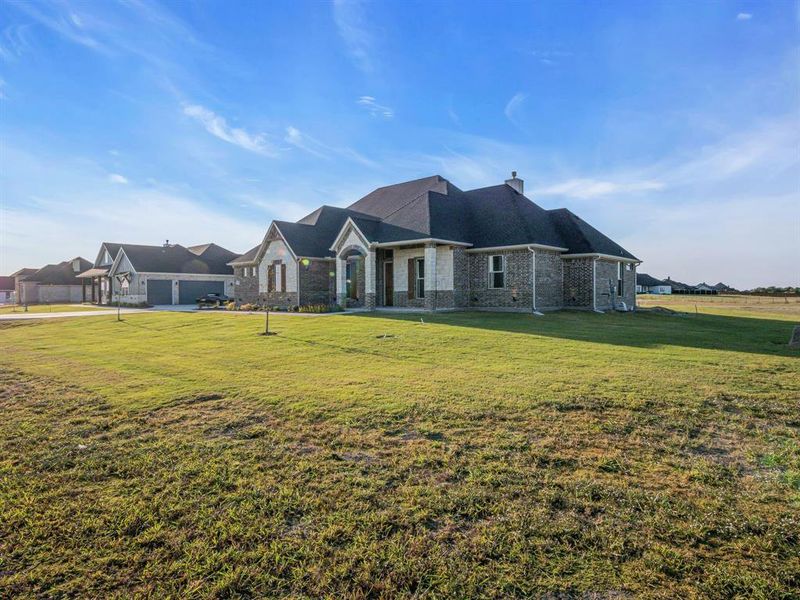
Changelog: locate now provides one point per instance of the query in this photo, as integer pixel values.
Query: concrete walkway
(23, 316)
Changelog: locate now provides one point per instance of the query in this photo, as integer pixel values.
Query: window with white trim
(497, 271)
(419, 277)
(619, 279)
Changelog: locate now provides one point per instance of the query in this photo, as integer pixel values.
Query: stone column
(370, 264)
(341, 281)
(430, 276)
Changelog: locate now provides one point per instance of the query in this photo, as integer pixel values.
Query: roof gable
(63, 273)
(385, 201)
(433, 208)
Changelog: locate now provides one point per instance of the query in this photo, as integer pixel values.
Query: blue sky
(673, 127)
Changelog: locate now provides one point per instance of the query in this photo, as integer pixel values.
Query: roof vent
(166, 244)
(515, 183)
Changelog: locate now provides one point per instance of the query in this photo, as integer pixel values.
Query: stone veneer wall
(401, 283)
(317, 282)
(549, 280)
(578, 282)
(245, 288)
(605, 283)
(460, 277)
(607, 294)
(630, 287)
(518, 292)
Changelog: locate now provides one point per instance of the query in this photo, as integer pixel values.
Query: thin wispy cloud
(351, 23)
(217, 126)
(117, 178)
(372, 107)
(584, 188)
(550, 57)
(2, 89)
(514, 105)
(313, 146)
(15, 41)
(66, 24)
(743, 16)
(299, 140)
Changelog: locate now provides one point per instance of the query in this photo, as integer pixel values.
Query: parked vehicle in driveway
(213, 299)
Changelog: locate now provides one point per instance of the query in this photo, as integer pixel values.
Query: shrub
(231, 306)
(249, 306)
(319, 308)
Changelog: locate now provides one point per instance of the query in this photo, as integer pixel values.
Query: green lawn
(39, 308)
(465, 455)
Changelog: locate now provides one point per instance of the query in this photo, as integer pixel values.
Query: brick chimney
(515, 183)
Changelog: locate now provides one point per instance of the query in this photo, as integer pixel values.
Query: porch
(96, 286)
(402, 278)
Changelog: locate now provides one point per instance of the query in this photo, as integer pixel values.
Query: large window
(497, 271)
(419, 277)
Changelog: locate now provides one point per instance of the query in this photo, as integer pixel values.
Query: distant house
(721, 288)
(704, 288)
(7, 286)
(166, 274)
(645, 284)
(52, 283)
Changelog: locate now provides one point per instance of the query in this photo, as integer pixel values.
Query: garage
(159, 291)
(190, 291)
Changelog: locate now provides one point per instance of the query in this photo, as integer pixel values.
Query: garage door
(190, 291)
(159, 291)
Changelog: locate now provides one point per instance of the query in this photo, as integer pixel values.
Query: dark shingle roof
(176, 258)
(386, 200)
(216, 257)
(582, 238)
(677, 285)
(63, 273)
(7, 283)
(434, 208)
(247, 257)
(23, 273)
(648, 281)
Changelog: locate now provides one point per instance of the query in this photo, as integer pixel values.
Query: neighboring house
(678, 287)
(166, 274)
(428, 244)
(721, 288)
(7, 287)
(704, 288)
(19, 277)
(645, 284)
(52, 283)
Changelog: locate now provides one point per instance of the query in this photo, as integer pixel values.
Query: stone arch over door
(351, 260)
(353, 248)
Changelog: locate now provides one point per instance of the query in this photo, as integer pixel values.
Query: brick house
(427, 244)
(157, 275)
(51, 284)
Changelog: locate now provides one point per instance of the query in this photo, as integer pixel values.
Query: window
(280, 277)
(419, 277)
(497, 271)
(619, 280)
(350, 289)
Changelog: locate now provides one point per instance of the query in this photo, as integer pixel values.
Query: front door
(388, 279)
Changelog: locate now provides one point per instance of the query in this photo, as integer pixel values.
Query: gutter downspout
(533, 284)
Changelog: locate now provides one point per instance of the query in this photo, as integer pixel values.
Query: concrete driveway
(23, 316)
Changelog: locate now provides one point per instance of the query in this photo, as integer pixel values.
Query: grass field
(40, 308)
(470, 455)
(725, 304)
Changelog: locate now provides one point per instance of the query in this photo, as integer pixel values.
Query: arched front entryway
(351, 277)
